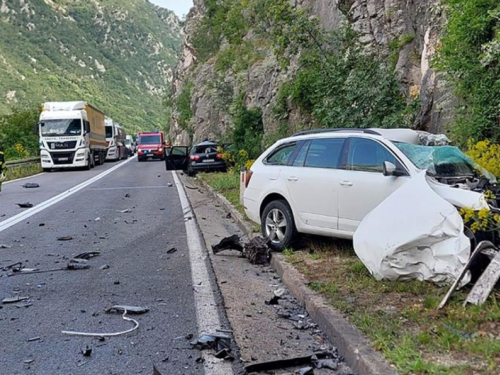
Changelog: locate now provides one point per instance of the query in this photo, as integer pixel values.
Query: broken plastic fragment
(65, 238)
(31, 185)
(25, 205)
(228, 243)
(14, 299)
(130, 309)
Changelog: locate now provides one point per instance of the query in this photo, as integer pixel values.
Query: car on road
(326, 182)
(203, 157)
(150, 146)
(130, 147)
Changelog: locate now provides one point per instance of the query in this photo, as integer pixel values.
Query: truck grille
(62, 157)
(61, 145)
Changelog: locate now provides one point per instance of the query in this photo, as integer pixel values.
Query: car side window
(301, 156)
(281, 155)
(324, 153)
(368, 156)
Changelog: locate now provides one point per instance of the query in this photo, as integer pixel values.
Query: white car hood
(415, 234)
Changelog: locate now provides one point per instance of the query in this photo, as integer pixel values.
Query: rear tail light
(195, 157)
(249, 176)
(218, 156)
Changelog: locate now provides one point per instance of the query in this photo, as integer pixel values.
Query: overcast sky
(180, 7)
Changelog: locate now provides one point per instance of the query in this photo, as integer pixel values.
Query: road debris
(314, 360)
(3, 246)
(256, 250)
(34, 339)
(14, 299)
(220, 343)
(87, 255)
(118, 308)
(172, 250)
(65, 238)
(169, 184)
(486, 282)
(127, 195)
(104, 267)
(25, 205)
(87, 352)
(31, 185)
(191, 187)
(228, 243)
(126, 211)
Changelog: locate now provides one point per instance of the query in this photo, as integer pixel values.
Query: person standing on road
(2, 167)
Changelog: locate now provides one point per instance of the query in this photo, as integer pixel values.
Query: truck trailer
(72, 135)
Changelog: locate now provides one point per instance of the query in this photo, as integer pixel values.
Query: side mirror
(389, 169)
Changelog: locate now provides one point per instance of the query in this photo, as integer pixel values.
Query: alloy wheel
(276, 226)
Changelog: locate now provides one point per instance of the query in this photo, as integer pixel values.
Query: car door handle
(346, 183)
(292, 178)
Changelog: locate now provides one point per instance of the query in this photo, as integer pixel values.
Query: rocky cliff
(404, 32)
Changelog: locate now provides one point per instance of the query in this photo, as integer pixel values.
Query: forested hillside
(115, 54)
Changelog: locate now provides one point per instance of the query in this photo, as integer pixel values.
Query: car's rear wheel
(277, 225)
(190, 171)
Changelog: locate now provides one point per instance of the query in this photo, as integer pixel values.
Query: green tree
(16, 133)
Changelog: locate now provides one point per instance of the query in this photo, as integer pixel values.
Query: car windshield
(150, 140)
(57, 128)
(109, 132)
(127, 142)
(440, 161)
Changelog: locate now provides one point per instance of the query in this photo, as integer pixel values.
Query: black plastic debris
(220, 343)
(127, 195)
(330, 364)
(257, 251)
(4, 246)
(172, 250)
(87, 352)
(77, 266)
(25, 205)
(228, 243)
(65, 238)
(291, 362)
(87, 255)
(104, 267)
(129, 309)
(31, 185)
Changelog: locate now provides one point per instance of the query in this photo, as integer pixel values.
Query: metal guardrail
(19, 163)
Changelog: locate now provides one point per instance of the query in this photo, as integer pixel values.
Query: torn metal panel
(483, 248)
(484, 285)
(414, 234)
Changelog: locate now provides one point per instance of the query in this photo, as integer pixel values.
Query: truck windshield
(109, 132)
(57, 128)
(150, 140)
(440, 161)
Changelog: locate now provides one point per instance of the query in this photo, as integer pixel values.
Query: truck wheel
(102, 157)
(92, 160)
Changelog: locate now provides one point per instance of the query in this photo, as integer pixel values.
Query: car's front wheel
(277, 225)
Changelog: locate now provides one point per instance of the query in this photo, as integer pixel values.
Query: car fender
(459, 197)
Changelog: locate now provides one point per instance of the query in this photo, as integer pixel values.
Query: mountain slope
(118, 55)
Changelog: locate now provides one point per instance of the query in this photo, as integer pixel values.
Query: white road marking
(24, 178)
(50, 202)
(207, 314)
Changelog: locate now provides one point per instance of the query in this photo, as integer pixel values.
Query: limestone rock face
(407, 31)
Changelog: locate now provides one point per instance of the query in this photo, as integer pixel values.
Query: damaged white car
(396, 191)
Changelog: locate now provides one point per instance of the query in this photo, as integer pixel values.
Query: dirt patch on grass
(401, 318)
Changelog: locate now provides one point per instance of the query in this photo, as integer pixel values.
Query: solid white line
(24, 178)
(50, 202)
(207, 314)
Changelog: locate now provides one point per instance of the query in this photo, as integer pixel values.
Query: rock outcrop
(405, 31)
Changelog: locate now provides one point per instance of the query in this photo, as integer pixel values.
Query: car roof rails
(333, 130)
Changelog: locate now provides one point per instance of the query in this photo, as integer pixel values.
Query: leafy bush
(487, 155)
(16, 134)
(248, 129)
(470, 57)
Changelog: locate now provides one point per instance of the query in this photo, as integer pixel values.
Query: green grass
(227, 184)
(401, 318)
(14, 173)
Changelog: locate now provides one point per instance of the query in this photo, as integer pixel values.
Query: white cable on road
(50, 202)
(207, 314)
(136, 325)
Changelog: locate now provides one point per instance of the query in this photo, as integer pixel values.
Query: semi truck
(72, 134)
(115, 141)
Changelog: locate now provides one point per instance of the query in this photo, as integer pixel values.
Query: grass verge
(13, 173)
(401, 318)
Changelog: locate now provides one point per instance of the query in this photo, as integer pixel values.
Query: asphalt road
(142, 272)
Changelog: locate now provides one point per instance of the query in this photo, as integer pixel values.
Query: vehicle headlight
(160, 149)
(139, 150)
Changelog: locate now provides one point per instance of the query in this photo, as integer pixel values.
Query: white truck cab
(71, 135)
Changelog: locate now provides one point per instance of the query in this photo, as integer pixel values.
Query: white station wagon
(324, 182)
